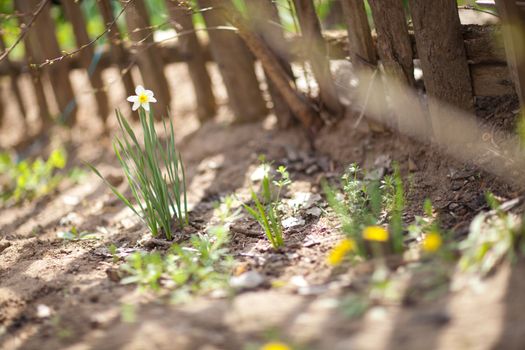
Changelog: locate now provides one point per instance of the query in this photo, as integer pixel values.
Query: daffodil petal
(148, 93)
(152, 99)
(136, 105)
(146, 106)
(139, 90)
(132, 98)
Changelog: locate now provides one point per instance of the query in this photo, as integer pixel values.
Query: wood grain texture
(75, 16)
(236, 63)
(393, 41)
(315, 48)
(190, 46)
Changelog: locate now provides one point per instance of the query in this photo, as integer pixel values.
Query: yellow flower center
(275, 346)
(432, 242)
(375, 233)
(143, 98)
(338, 253)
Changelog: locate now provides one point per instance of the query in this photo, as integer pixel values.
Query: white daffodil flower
(142, 98)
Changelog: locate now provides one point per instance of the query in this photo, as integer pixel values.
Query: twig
(367, 97)
(26, 29)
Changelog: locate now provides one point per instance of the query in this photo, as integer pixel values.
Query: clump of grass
(199, 268)
(265, 207)
(368, 211)
(155, 174)
(493, 237)
(28, 180)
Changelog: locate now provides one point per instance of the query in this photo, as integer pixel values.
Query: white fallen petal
(43, 311)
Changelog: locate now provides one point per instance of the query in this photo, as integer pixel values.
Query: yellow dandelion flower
(432, 242)
(338, 253)
(275, 346)
(375, 233)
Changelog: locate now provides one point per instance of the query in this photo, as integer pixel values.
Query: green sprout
(159, 196)
(266, 206)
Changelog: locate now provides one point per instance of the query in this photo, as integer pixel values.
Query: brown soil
(72, 278)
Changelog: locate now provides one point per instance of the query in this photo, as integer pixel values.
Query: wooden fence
(458, 61)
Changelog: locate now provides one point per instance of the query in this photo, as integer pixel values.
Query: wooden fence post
(235, 62)
(14, 81)
(182, 21)
(363, 53)
(443, 60)
(74, 13)
(315, 48)
(265, 22)
(514, 32)
(149, 61)
(120, 56)
(283, 83)
(44, 45)
(393, 42)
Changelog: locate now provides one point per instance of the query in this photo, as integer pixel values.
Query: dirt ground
(86, 305)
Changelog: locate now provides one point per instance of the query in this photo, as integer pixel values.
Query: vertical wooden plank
(363, 54)
(13, 81)
(149, 61)
(235, 62)
(182, 21)
(120, 56)
(44, 45)
(361, 46)
(316, 48)
(393, 42)
(443, 60)
(264, 17)
(74, 13)
(514, 32)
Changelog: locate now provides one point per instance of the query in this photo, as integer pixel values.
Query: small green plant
(159, 196)
(74, 235)
(266, 206)
(364, 206)
(28, 180)
(493, 237)
(201, 267)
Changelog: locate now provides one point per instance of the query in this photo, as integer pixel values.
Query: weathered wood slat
(443, 60)
(236, 63)
(44, 45)
(315, 48)
(119, 56)
(149, 62)
(265, 21)
(393, 41)
(514, 31)
(13, 80)
(182, 22)
(74, 13)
